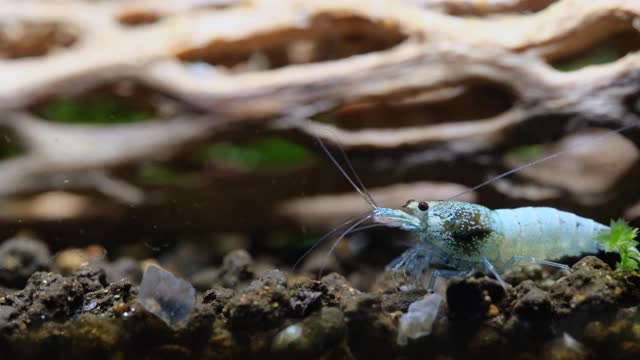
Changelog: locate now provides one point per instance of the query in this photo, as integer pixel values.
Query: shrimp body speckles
(469, 237)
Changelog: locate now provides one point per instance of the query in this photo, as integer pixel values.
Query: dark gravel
(275, 314)
(19, 258)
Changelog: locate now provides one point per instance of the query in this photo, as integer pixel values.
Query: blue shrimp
(476, 237)
(469, 237)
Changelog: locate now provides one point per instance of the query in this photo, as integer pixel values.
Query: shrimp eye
(423, 206)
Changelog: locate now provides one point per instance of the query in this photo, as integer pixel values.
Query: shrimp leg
(413, 263)
(493, 270)
(512, 261)
(446, 274)
(421, 271)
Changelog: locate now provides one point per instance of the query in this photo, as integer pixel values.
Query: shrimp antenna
(367, 227)
(543, 159)
(326, 236)
(362, 190)
(309, 110)
(355, 174)
(335, 244)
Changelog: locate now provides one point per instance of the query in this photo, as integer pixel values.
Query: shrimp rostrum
(466, 237)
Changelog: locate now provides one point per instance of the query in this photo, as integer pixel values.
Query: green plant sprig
(621, 237)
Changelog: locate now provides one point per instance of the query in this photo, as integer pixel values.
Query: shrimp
(469, 237)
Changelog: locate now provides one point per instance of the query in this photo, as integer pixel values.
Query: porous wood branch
(220, 59)
(483, 7)
(72, 156)
(107, 49)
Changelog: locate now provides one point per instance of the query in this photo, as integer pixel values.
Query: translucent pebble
(90, 306)
(572, 343)
(168, 297)
(418, 320)
(287, 336)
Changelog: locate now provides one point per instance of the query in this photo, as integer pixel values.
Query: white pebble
(167, 296)
(418, 321)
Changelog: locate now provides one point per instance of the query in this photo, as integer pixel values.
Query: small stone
(565, 348)
(471, 298)
(340, 287)
(532, 303)
(90, 306)
(629, 289)
(123, 268)
(517, 274)
(7, 314)
(401, 300)
(171, 351)
(218, 297)
(619, 337)
(46, 296)
(270, 279)
(589, 288)
(102, 302)
(264, 303)
(308, 295)
(487, 342)
(69, 261)
(630, 350)
(372, 331)
(493, 311)
(20, 257)
(168, 297)
(236, 269)
(315, 335)
(91, 278)
(419, 319)
(592, 263)
(205, 278)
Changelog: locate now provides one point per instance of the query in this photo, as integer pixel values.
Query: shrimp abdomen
(545, 233)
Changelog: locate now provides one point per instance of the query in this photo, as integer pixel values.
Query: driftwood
(271, 65)
(483, 7)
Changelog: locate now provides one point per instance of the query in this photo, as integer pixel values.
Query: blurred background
(181, 130)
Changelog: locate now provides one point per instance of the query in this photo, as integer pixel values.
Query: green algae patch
(163, 175)
(325, 118)
(103, 110)
(622, 238)
(227, 159)
(9, 148)
(597, 56)
(271, 153)
(605, 51)
(527, 152)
